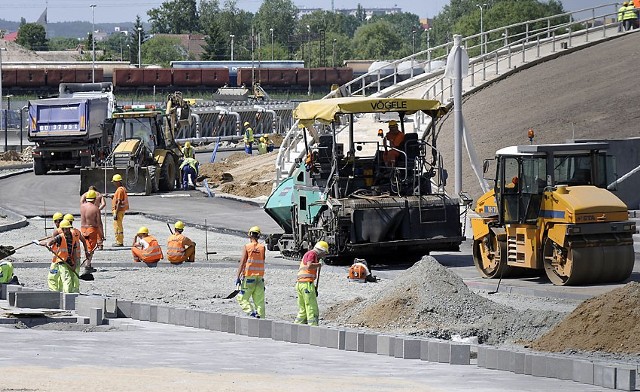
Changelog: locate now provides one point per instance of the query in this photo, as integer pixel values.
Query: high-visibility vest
(76, 238)
(248, 135)
(188, 152)
(621, 11)
(308, 273)
(175, 247)
(395, 139)
(255, 259)
(153, 253)
(120, 194)
(630, 13)
(63, 252)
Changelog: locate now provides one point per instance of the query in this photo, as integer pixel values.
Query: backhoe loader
(144, 151)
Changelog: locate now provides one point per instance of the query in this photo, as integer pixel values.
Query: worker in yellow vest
(179, 247)
(248, 138)
(308, 272)
(250, 276)
(629, 17)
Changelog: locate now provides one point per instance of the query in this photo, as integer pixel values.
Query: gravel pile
(429, 300)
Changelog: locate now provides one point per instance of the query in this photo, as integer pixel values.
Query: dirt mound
(13, 156)
(241, 174)
(429, 300)
(609, 322)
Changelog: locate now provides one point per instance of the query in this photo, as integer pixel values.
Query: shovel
(233, 293)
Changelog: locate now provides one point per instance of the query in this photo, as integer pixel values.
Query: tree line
(320, 38)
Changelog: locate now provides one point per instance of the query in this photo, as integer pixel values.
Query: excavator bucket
(137, 180)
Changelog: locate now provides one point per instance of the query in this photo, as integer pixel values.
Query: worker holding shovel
(309, 272)
(250, 276)
(66, 248)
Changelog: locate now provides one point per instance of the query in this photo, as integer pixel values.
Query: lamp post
(482, 40)
(271, 29)
(333, 50)
(232, 36)
(413, 40)
(6, 141)
(309, 44)
(428, 40)
(93, 43)
(139, 43)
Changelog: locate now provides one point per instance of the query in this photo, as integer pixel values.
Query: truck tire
(168, 174)
(39, 167)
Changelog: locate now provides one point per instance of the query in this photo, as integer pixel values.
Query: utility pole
(231, 36)
(139, 43)
(93, 43)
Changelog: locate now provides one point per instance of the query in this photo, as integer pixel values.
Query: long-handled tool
(206, 241)
(233, 293)
(83, 277)
(318, 280)
(170, 229)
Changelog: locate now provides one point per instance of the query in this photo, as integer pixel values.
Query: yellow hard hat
(246, 123)
(91, 195)
(187, 144)
(625, 3)
(65, 224)
(254, 229)
(116, 177)
(179, 225)
(58, 216)
(143, 230)
(68, 217)
(323, 246)
(393, 123)
(262, 139)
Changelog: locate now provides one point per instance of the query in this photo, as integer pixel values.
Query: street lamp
(309, 42)
(333, 50)
(271, 29)
(482, 40)
(413, 40)
(6, 141)
(232, 36)
(93, 43)
(139, 43)
(428, 40)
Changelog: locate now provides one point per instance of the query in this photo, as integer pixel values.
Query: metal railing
(505, 43)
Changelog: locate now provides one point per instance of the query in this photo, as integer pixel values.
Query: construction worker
(250, 276)
(248, 138)
(308, 272)
(270, 145)
(629, 17)
(189, 169)
(146, 248)
(262, 146)
(119, 204)
(621, 11)
(393, 139)
(77, 234)
(179, 247)
(99, 201)
(6, 273)
(67, 251)
(188, 151)
(91, 228)
(358, 271)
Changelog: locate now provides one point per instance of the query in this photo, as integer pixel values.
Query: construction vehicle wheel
(490, 257)
(563, 268)
(168, 174)
(39, 167)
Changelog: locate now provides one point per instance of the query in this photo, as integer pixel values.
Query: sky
(114, 11)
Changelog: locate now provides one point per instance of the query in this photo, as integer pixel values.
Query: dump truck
(67, 130)
(143, 148)
(551, 210)
(348, 196)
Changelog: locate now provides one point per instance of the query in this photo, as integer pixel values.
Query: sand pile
(241, 174)
(429, 300)
(609, 322)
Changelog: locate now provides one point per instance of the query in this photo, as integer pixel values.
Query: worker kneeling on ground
(145, 248)
(179, 247)
(250, 276)
(189, 170)
(262, 146)
(359, 272)
(6, 273)
(66, 248)
(308, 272)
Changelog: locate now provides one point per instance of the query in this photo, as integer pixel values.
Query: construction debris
(241, 174)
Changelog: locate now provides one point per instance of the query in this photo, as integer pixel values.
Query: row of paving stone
(98, 310)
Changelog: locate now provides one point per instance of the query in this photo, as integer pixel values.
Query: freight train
(45, 78)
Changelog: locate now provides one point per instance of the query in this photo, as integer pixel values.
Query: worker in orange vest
(179, 247)
(77, 234)
(145, 248)
(119, 204)
(66, 247)
(393, 139)
(359, 271)
(308, 272)
(250, 276)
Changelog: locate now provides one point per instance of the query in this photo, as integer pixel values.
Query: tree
(133, 39)
(209, 12)
(279, 15)
(32, 36)
(215, 47)
(236, 22)
(62, 43)
(163, 50)
(376, 41)
(175, 17)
